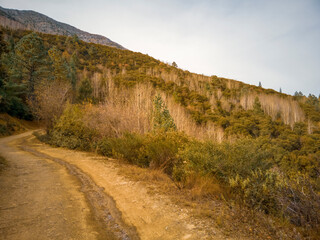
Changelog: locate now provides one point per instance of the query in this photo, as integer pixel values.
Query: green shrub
(127, 147)
(243, 166)
(3, 130)
(259, 190)
(71, 132)
(160, 149)
(156, 150)
(226, 160)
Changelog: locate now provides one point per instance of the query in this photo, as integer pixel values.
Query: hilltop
(31, 20)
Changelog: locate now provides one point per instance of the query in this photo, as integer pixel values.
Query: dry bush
(49, 101)
(114, 119)
(202, 186)
(301, 203)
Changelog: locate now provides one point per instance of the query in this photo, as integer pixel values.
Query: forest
(260, 147)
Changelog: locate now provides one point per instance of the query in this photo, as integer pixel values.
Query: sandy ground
(40, 200)
(54, 193)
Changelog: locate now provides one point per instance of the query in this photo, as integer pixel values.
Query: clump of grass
(3, 163)
(202, 186)
(10, 125)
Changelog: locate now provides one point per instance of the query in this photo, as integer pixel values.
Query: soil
(55, 193)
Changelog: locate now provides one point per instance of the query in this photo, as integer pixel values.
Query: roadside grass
(231, 219)
(11, 125)
(3, 163)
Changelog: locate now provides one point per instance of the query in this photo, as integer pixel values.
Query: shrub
(160, 149)
(300, 202)
(127, 147)
(70, 131)
(10, 125)
(225, 160)
(259, 190)
(156, 150)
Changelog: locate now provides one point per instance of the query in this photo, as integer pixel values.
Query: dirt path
(53, 193)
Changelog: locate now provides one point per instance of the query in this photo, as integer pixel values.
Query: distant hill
(31, 20)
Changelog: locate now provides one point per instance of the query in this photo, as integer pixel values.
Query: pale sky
(276, 42)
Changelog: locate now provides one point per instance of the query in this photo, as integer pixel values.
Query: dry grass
(160, 181)
(201, 186)
(10, 125)
(3, 163)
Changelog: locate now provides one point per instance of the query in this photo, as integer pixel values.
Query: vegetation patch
(10, 125)
(3, 163)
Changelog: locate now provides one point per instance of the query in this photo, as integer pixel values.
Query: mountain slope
(250, 145)
(31, 20)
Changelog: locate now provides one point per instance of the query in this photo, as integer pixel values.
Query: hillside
(214, 137)
(31, 20)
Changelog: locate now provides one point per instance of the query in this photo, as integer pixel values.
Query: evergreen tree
(298, 94)
(3, 50)
(59, 64)
(13, 100)
(85, 91)
(257, 106)
(162, 118)
(12, 94)
(75, 38)
(29, 61)
(73, 70)
(3, 104)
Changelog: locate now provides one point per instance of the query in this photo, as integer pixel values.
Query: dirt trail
(54, 193)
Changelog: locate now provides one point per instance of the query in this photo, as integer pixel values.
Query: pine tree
(73, 70)
(29, 61)
(12, 94)
(257, 106)
(3, 102)
(13, 100)
(161, 116)
(3, 50)
(59, 64)
(85, 91)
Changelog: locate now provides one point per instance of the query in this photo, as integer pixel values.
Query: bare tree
(49, 102)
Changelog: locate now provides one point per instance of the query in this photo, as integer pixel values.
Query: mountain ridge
(35, 21)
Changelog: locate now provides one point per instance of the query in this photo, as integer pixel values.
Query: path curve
(42, 197)
(68, 194)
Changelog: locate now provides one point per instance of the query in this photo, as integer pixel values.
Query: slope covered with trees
(260, 146)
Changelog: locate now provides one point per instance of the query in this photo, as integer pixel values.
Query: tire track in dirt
(103, 206)
(133, 210)
(43, 197)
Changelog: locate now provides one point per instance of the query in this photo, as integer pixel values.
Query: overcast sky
(276, 42)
